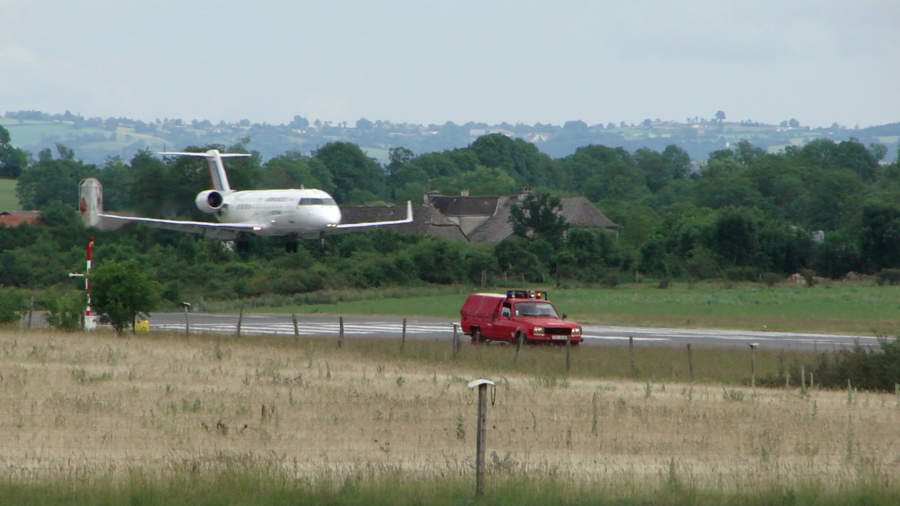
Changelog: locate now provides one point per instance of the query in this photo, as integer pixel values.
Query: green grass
(547, 364)
(860, 308)
(8, 199)
(252, 483)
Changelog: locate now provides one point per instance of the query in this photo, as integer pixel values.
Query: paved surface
(442, 329)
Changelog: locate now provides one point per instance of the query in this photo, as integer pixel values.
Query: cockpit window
(309, 201)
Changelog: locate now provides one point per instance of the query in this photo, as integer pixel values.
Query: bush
(888, 277)
(740, 274)
(809, 276)
(771, 279)
(611, 281)
(867, 368)
(11, 305)
(664, 283)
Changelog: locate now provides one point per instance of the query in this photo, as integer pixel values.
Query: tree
(879, 239)
(720, 116)
(52, 180)
(539, 217)
(120, 291)
(12, 160)
(351, 169)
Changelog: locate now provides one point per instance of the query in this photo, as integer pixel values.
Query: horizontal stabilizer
(208, 154)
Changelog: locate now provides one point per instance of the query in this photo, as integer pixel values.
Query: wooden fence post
(568, 353)
(690, 361)
(187, 322)
(240, 321)
(341, 334)
(30, 311)
(753, 365)
(481, 435)
(296, 328)
(403, 337)
(455, 340)
(519, 338)
(631, 355)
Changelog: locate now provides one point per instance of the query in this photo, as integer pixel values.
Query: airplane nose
(332, 216)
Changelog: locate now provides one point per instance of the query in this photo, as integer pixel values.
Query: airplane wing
(409, 219)
(226, 231)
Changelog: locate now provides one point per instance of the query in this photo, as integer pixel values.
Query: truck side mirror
(565, 316)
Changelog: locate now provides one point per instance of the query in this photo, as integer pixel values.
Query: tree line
(742, 213)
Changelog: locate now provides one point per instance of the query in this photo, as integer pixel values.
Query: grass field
(859, 308)
(8, 199)
(96, 419)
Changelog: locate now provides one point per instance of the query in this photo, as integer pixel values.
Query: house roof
(465, 206)
(579, 212)
(16, 218)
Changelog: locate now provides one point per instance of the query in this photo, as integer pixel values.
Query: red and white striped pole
(87, 277)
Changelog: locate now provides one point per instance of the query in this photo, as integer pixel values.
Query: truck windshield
(536, 309)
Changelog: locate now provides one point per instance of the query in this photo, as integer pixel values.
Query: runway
(438, 329)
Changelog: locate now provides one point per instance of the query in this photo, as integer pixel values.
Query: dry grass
(74, 403)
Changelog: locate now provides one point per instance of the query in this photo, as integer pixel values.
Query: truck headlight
(576, 331)
(539, 331)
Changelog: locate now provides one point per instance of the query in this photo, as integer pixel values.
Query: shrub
(809, 276)
(611, 281)
(867, 368)
(664, 283)
(771, 279)
(740, 274)
(888, 276)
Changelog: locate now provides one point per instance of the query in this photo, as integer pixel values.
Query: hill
(95, 139)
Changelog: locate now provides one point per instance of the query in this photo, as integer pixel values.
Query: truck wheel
(477, 336)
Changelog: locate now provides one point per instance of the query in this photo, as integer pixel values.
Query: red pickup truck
(525, 313)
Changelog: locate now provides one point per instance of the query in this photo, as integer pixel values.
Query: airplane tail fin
(90, 201)
(216, 167)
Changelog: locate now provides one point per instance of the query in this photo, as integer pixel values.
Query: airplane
(292, 214)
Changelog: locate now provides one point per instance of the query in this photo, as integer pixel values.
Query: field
(858, 308)
(8, 199)
(97, 419)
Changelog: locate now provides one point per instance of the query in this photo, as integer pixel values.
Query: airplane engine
(209, 201)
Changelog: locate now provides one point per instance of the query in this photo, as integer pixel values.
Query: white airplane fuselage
(292, 214)
(304, 213)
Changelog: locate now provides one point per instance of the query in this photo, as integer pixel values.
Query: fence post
(187, 322)
(30, 311)
(240, 321)
(481, 435)
(455, 340)
(403, 337)
(631, 355)
(519, 339)
(568, 353)
(753, 364)
(296, 328)
(341, 334)
(690, 361)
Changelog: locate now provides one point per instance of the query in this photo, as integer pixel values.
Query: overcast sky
(820, 61)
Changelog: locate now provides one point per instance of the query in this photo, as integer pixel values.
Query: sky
(430, 61)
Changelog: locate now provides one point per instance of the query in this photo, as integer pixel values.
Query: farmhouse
(479, 219)
(16, 218)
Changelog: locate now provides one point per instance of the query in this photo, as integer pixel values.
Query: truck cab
(528, 314)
